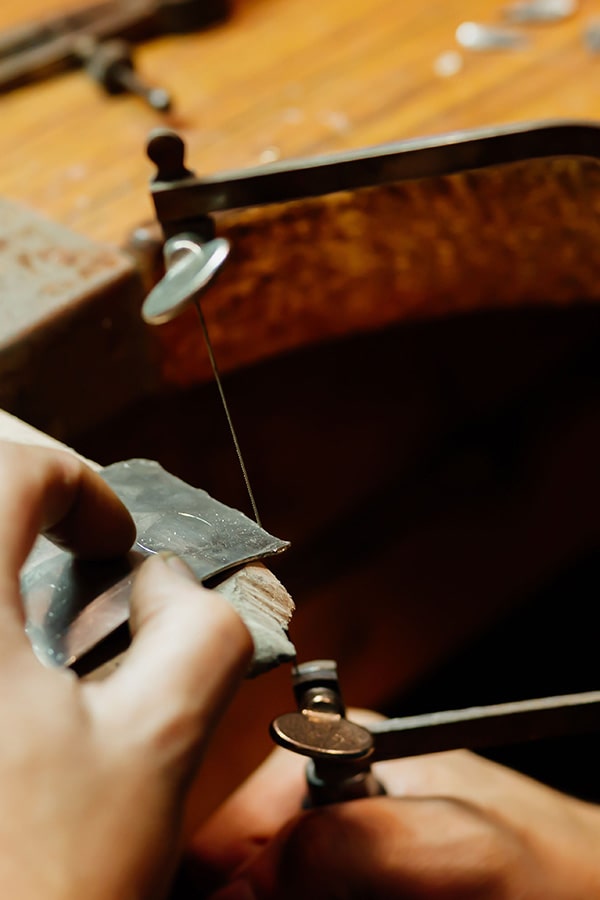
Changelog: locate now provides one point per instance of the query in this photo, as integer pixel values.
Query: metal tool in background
(482, 37)
(110, 64)
(97, 37)
(341, 752)
(591, 36)
(525, 12)
(479, 37)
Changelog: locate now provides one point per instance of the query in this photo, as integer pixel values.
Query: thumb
(189, 652)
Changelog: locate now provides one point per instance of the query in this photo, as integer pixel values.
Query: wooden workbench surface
(281, 78)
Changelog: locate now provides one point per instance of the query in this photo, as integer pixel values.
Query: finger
(383, 848)
(252, 815)
(190, 650)
(232, 838)
(248, 819)
(52, 491)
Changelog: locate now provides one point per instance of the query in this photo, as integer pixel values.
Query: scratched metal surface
(71, 605)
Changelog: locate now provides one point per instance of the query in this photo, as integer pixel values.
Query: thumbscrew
(110, 64)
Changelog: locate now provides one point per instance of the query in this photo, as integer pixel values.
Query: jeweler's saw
(334, 207)
(490, 218)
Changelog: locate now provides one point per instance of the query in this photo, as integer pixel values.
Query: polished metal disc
(322, 736)
(191, 268)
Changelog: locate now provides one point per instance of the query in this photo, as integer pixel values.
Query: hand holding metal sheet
(72, 605)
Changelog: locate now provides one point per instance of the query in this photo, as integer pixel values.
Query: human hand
(453, 826)
(94, 775)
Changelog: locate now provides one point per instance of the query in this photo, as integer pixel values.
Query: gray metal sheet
(71, 605)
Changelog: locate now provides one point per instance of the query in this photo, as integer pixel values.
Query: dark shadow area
(545, 648)
(355, 447)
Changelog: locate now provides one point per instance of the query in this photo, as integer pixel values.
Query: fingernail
(237, 890)
(178, 565)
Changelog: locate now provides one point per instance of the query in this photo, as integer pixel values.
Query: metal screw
(110, 64)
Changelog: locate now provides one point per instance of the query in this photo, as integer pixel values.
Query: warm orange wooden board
(281, 78)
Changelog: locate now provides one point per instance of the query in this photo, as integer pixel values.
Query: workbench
(280, 79)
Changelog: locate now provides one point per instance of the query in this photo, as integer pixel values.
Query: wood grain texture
(521, 235)
(280, 79)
